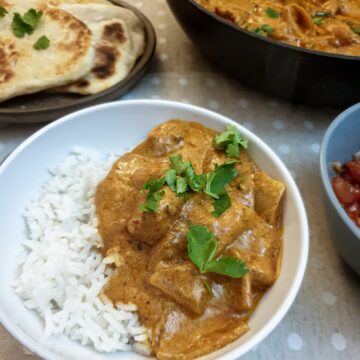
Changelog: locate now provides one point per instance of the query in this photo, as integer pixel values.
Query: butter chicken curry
(194, 228)
(323, 25)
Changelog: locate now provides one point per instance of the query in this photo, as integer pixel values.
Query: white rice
(64, 271)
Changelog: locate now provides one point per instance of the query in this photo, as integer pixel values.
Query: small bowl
(44, 107)
(115, 128)
(340, 142)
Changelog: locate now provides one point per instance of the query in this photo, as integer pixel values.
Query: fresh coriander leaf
(3, 12)
(321, 14)
(267, 28)
(227, 265)
(233, 150)
(154, 185)
(318, 21)
(264, 30)
(178, 164)
(230, 140)
(25, 24)
(152, 202)
(181, 186)
(356, 30)
(170, 179)
(42, 43)
(196, 182)
(271, 13)
(218, 178)
(19, 27)
(208, 288)
(32, 18)
(153, 195)
(202, 245)
(221, 205)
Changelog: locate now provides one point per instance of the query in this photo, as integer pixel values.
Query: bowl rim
(295, 285)
(271, 41)
(325, 178)
(141, 63)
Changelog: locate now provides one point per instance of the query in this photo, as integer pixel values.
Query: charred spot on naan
(114, 33)
(106, 59)
(8, 57)
(80, 43)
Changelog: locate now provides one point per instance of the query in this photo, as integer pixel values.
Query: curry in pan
(324, 25)
(195, 230)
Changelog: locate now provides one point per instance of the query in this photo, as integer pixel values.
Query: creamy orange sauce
(323, 25)
(153, 269)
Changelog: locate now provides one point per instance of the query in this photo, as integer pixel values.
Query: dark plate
(42, 107)
(278, 69)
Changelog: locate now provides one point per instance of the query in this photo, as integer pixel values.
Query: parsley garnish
(27, 23)
(208, 288)
(202, 246)
(271, 13)
(42, 43)
(154, 195)
(230, 140)
(264, 30)
(3, 12)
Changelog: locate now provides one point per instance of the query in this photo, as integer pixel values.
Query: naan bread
(24, 70)
(121, 41)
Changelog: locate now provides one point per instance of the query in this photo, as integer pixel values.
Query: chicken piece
(151, 227)
(242, 297)
(268, 195)
(184, 285)
(191, 140)
(300, 21)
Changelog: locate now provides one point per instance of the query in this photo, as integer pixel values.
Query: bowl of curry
(299, 50)
(203, 233)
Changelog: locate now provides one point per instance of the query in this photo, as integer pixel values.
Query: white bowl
(117, 127)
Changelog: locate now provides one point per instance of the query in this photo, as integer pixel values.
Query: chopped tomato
(354, 167)
(345, 192)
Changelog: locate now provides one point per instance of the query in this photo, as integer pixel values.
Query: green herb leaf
(221, 205)
(218, 178)
(196, 182)
(178, 164)
(227, 265)
(264, 30)
(271, 13)
(153, 195)
(318, 21)
(230, 140)
(170, 179)
(152, 202)
(42, 43)
(3, 12)
(202, 245)
(356, 30)
(181, 186)
(208, 288)
(27, 23)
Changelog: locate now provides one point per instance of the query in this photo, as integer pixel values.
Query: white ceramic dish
(117, 127)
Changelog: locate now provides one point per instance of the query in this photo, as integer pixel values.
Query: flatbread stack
(89, 46)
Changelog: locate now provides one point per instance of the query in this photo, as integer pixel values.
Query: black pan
(43, 107)
(280, 70)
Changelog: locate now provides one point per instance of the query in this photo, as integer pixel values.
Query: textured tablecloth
(324, 321)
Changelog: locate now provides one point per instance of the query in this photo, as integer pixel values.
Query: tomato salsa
(346, 185)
